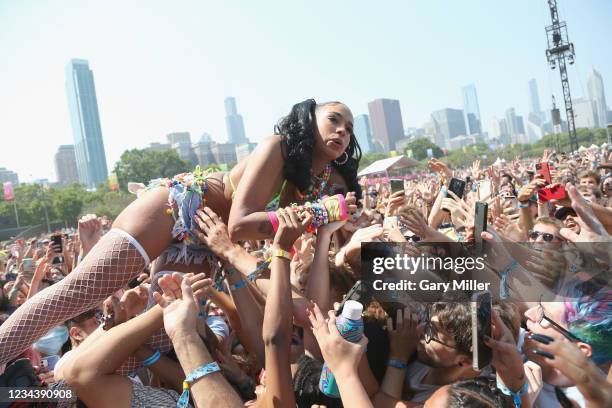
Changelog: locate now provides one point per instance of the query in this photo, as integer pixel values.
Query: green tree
(109, 203)
(419, 149)
(68, 202)
(144, 165)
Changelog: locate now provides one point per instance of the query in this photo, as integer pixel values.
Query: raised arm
(180, 317)
(318, 285)
(261, 180)
(277, 327)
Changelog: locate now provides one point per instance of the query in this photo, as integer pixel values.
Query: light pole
(42, 189)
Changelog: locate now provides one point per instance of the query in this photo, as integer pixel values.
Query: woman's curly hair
(297, 131)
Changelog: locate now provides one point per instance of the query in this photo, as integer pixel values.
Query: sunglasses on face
(413, 238)
(545, 235)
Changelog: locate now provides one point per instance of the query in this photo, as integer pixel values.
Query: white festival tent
(386, 165)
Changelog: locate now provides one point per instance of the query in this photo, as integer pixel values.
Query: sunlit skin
(438, 399)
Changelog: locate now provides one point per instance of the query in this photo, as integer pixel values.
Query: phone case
(457, 186)
(553, 193)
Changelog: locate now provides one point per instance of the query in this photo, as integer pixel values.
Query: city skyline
(151, 83)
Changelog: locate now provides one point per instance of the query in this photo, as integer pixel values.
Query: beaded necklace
(316, 187)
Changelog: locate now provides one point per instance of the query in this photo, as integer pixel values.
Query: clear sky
(165, 66)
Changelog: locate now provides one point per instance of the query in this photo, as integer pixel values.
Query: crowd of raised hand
(262, 325)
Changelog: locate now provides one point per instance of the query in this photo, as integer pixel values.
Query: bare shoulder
(271, 144)
(268, 151)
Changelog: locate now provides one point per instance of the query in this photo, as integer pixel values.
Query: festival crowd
(221, 290)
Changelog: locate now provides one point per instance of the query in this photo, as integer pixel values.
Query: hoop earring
(345, 159)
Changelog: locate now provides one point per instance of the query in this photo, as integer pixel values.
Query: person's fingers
(306, 222)
(167, 286)
(212, 215)
(453, 195)
(187, 292)
(584, 211)
(389, 325)
(177, 279)
(280, 215)
(320, 328)
(199, 285)
(159, 299)
(293, 218)
(498, 325)
(331, 324)
(535, 372)
(487, 236)
(399, 319)
(312, 318)
(107, 305)
(203, 221)
(316, 315)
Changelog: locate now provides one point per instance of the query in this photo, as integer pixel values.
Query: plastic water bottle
(350, 326)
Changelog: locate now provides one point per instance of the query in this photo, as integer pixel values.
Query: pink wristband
(273, 220)
(343, 207)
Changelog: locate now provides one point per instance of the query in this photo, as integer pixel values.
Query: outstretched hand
(90, 231)
(289, 228)
(213, 232)
(506, 359)
(575, 365)
(180, 302)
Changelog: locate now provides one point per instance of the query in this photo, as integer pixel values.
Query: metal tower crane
(559, 50)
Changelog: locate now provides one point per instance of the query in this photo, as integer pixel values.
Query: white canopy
(385, 165)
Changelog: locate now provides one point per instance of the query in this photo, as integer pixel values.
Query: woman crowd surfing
(213, 289)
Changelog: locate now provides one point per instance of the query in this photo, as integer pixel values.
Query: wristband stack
(324, 211)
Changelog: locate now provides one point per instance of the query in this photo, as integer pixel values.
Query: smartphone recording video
(544, 170)
(457, 186)
(56, 240)
(480, 224)
(481, 327)
(396, 185)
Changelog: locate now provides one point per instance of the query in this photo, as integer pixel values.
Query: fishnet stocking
(109, 266)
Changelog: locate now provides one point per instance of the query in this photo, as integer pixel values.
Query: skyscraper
(538, 116)
(8, 175)
(585, 114)
(234, 122)
(471, 109)
(85, 119)
(449, 123)
(363, 133)
(499, 130)
(534, 98)
(515, 125)
(65, 165)
(386, 121)
(181, 142)
(597, 94)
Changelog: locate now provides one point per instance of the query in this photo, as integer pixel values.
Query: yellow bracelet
(282, 254)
